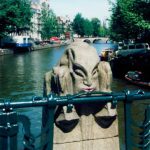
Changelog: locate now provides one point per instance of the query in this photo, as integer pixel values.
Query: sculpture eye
(79, 72)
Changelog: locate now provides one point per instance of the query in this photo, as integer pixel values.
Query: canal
(21, 77)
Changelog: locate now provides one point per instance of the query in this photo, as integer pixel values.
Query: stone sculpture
(88, 126)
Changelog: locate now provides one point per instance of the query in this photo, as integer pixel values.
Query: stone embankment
(35, 47)
(46, 46)
(5, 51)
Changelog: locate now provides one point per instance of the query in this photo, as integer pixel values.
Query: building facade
(36, 25)
(36, 6)
(64, 22)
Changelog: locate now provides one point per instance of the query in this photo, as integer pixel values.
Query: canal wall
(35, 47)
(6, 51)
(46, 46)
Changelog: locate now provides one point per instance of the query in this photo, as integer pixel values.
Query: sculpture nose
(87, 82)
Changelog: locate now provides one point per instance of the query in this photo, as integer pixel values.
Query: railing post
(128, 121)
(145, 139)
(48, 124)
(8, 130)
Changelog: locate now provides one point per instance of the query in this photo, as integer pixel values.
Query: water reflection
(22, 74)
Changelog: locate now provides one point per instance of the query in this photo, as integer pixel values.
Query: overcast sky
(88, 8)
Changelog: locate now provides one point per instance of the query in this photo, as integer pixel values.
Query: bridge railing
(9, 118)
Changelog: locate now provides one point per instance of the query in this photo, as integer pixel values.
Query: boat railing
(10, 117)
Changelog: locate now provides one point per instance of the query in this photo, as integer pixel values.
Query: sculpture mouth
(88, 89)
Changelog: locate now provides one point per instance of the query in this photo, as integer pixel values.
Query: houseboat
(131, 57)
(22, 43)
(131, 49)
(19, 43)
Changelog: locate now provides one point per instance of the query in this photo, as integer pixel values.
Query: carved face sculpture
(79, 69)
(83, 67)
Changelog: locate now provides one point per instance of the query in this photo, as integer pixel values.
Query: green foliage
(103, 30)
(78, 25)
(86, 27)
(49, 26)
(130, 19)
(15, 16)
(96, 26)
(117, 25)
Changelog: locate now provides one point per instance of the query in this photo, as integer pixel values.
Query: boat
(131, 49)
(137, 77)
(135, 57)
(19, 43)
(106, 54)
(22, 41)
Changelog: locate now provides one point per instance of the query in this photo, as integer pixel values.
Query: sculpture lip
(88, 89)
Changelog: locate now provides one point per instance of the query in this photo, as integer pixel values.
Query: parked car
(55, 40)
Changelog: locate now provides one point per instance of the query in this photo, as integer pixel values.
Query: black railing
(9, 118)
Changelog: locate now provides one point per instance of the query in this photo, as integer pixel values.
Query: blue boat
(18, 43)
(22, 43)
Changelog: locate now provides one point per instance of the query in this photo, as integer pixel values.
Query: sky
(88, 8)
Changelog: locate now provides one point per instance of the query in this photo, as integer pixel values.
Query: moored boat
(132, 49)
(23, 41)
(136, 77)
(133, 59)
(20, 43)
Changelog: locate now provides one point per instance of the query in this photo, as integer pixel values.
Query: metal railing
(9, 118)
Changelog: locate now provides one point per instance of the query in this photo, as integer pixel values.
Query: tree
(142, 8)
(103, 30)
(15, 16)
(49, 23)
(117, 28)
(96, 26)
(130, 19)
(78, 25)
(88, 28)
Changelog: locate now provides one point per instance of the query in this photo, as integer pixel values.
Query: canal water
(21, 77)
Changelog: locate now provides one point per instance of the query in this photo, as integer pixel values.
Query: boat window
(124, 47)
(139, 46)
(24, 40)
(131, 46)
